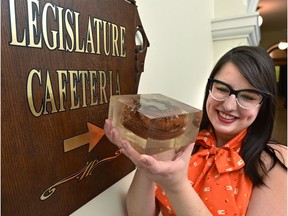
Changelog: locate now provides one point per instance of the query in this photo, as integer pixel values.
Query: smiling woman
(234, 168)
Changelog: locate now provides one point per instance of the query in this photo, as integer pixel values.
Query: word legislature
(101, 37)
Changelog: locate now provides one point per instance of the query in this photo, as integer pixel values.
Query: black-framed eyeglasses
(246, 98)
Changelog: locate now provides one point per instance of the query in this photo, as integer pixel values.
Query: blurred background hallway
(273, 27)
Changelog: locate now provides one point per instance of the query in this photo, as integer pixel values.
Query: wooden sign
(60, 63)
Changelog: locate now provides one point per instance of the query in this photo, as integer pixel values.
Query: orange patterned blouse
(217, 175)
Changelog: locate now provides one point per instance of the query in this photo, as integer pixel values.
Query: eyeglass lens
(246, 99)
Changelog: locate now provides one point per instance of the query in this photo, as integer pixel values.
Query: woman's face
(227, 117)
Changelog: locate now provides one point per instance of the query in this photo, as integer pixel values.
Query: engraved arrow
(92, 137)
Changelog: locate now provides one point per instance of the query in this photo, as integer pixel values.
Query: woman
(235, 169)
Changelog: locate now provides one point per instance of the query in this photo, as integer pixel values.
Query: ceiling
(274, 27)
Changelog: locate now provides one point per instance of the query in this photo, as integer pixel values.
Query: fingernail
(112, 133)
(124, 144)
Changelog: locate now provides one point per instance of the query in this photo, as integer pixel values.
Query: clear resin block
(154, 123)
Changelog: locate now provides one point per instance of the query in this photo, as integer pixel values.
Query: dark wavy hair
(257, 67)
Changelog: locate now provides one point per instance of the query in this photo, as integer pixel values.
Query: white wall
(222, 8)
(180, 55)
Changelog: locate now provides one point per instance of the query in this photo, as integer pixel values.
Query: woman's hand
(168, 169)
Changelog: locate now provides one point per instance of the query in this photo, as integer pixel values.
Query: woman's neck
(222, 139)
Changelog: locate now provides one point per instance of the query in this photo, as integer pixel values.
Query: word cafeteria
(99, 83)
(80, 84)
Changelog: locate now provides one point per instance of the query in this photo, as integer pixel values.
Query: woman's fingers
(107, 128)
(153, 165)
(185, 152)
(112, 133)
(166, 155)
(163, 167)
(115, 137)
(141, 161)
(124, 145)
(131, 153)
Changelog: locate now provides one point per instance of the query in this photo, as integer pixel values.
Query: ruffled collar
(227, 155)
